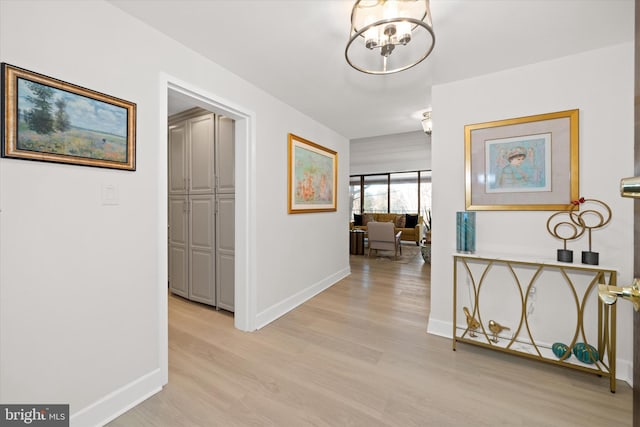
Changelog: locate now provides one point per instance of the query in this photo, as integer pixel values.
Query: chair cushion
(357, 220)
(400, 221)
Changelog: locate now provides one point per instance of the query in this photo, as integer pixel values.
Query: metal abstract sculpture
(564, 230)
(596, 216)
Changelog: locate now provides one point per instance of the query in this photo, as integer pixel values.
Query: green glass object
(585, 353)
(466, 232)
(560, 349)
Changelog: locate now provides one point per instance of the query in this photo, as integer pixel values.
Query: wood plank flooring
(358, 355)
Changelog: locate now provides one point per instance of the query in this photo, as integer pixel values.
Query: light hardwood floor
(358, 355)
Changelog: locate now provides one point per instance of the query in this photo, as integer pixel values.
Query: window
(425, 197)
(376, 193)
(402, 192)
(355, 193)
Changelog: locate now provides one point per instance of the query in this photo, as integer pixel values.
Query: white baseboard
(118, 402)
(624, 368)
(277, 310)
(624, 371)
(440, 328)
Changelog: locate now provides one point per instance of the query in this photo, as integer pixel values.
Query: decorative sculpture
(586, 353)
(564, 230)
(560, 350)
(466, 232)
(496, 328)
(591, 219)
(586, 220)
(472, 323)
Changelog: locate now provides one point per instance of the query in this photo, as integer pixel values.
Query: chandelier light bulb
(404, 33)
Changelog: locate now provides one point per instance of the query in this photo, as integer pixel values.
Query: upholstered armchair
(382, 235)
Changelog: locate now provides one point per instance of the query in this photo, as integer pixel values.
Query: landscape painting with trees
(46, 119)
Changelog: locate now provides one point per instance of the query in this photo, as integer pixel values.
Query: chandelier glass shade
(388, 36)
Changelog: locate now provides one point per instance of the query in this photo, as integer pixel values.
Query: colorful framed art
(313, 176)
(526, 163)
(50, 120)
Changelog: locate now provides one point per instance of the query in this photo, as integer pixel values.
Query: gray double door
(202, 208)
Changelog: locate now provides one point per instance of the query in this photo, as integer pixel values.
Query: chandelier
(388, 36)
(427, 125)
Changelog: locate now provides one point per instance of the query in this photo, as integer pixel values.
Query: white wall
(600, 84)
(82, 284)
(402, 152)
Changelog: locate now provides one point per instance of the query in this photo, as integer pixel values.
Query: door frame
(636, 217)
(245, 213)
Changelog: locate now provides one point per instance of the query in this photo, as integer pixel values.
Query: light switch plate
(110, 196)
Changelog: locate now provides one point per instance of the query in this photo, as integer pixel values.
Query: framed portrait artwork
(313, 175)
(50, 120)
(526, 163)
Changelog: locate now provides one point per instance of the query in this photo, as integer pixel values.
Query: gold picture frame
(525, 163)
(313, 177)
(46, 119)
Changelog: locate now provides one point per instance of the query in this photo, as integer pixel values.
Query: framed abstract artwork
(50, 120)
(526, 163)
(313, 176)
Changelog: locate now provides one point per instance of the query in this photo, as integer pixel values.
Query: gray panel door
(201, 153)
(178, 246)
(202, 249)
(178, 159)
(225, 155)
(225, 251)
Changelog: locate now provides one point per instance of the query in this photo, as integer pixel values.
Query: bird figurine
(496, 328)
(472, 323)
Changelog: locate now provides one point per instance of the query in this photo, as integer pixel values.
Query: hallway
(358, 354)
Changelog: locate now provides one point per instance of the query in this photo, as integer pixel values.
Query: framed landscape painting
(50, 120)
(313, 174)
(525, 163)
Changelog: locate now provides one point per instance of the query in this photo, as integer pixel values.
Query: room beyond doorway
(201, 226)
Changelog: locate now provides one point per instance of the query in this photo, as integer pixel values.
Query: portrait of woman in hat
(518, 164)
(513, 174)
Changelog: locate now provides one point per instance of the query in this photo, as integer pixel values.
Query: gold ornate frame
(50, 120)
(313, 177)
(551, 140)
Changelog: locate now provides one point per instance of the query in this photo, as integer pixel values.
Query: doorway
(201, 207)
(175, 95)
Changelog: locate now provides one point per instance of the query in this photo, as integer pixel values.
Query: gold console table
(522, 307)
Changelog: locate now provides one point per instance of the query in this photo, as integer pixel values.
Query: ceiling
(294, 49)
